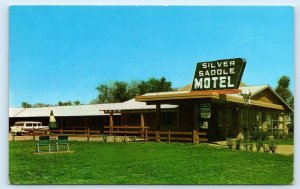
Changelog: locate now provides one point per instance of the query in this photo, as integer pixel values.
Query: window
(28, 124)
(259, 120)
(274, 123)
(251, 120)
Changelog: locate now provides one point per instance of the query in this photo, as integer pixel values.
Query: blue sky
(61, 53)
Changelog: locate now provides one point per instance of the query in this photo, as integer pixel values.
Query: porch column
(111, 120)
(157, 117)
(142, 120)
(142, 123)
(285, 128)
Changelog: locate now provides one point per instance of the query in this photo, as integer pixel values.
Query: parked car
(21, 127)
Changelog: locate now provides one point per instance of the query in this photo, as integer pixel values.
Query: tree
(283, 90)
(26, 105)
(120, 91)
(113, 92)
(68, 103)
(77, 102)
(39, 104)
(104, 94)
(155, 85)
(132, 89)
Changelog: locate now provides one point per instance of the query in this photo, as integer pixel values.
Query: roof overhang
(212, 94)
(216, 95)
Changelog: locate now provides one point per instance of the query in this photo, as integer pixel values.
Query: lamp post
(246, 96)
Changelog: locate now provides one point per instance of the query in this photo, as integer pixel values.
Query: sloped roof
(79, 110)
(82, 110)
(259, 88)
(234, 97)
(134, 105)
(98, 109)
(253, 89)
(15, 111)
(166, 93)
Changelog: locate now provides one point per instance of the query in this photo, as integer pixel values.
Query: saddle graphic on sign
(220, 74)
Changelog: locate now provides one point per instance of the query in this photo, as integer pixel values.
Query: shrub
(259, 135)
(272, 146)
(115, 138)
(132, 138)
(266, 148)
(230, 143)
(258, 145)
(237, 144)
(280, 135)
(251, 145)
(104, 138)
(276, 136)
(247, 136)
(245, 145)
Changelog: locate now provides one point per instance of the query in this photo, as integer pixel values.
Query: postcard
(151, 95)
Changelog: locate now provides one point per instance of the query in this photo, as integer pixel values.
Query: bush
(133, 138)
(272, 146)
(104, 138)
(237, 144)
(259, 135)
(251, 145)
(276, 136)
(280, 135)
(245, 145)
(258, 145)
(230, 143)
(266, 148)
(247, 136)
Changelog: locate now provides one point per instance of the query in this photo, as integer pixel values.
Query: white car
(21, 127)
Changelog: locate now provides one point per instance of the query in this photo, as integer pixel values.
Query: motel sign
(220, 74)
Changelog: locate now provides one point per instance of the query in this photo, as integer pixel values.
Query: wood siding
(267, 96)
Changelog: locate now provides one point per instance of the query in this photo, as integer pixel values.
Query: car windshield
(19, 124)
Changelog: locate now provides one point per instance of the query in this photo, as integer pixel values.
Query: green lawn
(289, 141)
(146, 163)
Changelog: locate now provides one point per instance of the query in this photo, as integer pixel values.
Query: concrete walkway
(281, 149)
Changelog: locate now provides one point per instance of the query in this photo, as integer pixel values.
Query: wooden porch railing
(70, 132)
(125, 130)
(194, 136)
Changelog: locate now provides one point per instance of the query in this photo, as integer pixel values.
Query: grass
(146, 163)
(289, 141)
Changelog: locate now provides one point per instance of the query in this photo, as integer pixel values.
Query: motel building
(214, 104)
